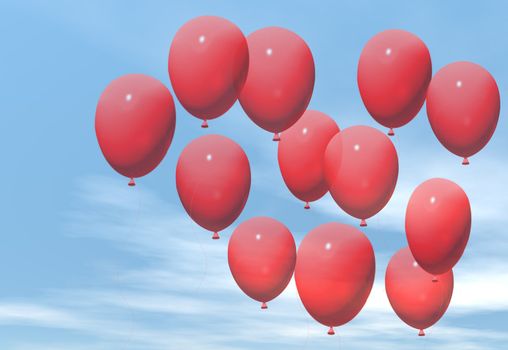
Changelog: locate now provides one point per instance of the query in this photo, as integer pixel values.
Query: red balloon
(415, 297)
(463, 106)
(262, 257)
(280, 79)
(213, 181)
(301, 153)
(208, 63)
(438, 223)
(334, 273)
(361, 169)
(134, 123)
(394, 72)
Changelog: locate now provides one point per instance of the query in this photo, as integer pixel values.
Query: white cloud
(480, 181)
(183, 296)
(37, 315)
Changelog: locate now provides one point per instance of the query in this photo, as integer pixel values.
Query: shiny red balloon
(394, 72)
(334, 274)
(213, 181)
(262, 257)
(280, 79)
(208, 63)
(134, 123)
(438, 223)
(361, 170)
(463, 106)
(415, 297)
(301, 152)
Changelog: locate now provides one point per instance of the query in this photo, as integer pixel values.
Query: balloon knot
(465, 161)
(363, 223)
(215, 235)
(421, 333)
(205, 124)
(307, 206)
(331, 331)
(434, 279)
(264, 306)
(276, 137)
(391, 132)
(132, 182)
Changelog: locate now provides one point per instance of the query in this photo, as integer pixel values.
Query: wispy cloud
(480, 181)
(184, 288)
(36, 315)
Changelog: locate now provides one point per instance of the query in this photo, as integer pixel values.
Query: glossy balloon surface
(361, 169)
(134, 123)
(213, 181)
(262, 257)
(438, 224)
(415, 298)
(208, 63)
(280, 79)
(394, 72)
(334, 273)
(463, 105)
(301, 152)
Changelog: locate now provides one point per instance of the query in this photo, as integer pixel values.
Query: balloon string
(307, 336)
(425, 342)
(134, 225)
(137, 224)
(306, 343)
(204, 274)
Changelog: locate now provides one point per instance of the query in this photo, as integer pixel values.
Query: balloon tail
(331, 331)
(307, 206)
(276, 137)
(205, 124)
(434, 279)
(363, 223)
(465, 161)
(132, 182)
(215, 235)
(264, 306)
(421, 333)
(391, 132)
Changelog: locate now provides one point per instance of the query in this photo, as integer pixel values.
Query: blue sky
(88, 263)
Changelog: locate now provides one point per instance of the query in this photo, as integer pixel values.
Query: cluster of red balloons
(395, 79)
(271, 73)
(419, 278)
